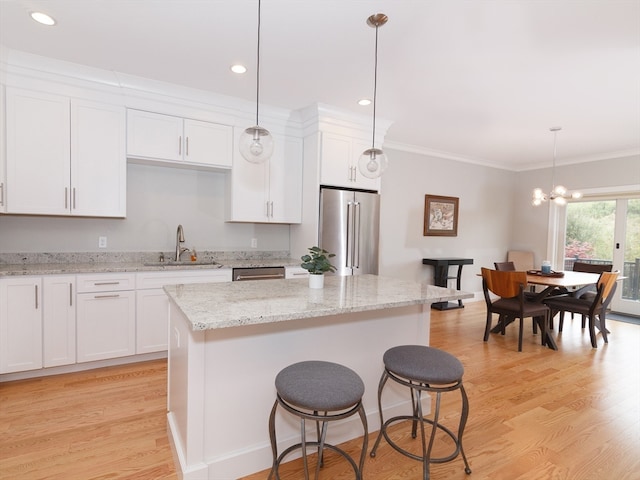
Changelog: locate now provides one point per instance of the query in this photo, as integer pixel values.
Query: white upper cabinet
(339, 162)
(98, 160)
(270, 192)
(167, 139)
(64, 156)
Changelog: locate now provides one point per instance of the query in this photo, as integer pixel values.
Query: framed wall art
(440, 216)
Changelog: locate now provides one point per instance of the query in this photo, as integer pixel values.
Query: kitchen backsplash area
(133, 257)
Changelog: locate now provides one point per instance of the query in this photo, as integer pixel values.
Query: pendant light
(559, 193)
(373, 161)
(256, 143)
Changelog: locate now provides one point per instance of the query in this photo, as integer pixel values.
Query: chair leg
(592, 331)
(487, 328)
(520, 334)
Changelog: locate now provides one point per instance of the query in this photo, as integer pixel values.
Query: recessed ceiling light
(43, 18)
(364, 102)
(238, 68)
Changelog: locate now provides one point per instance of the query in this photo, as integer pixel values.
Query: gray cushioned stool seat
(423, 369)
(423, 364)
(321, 386)
(321, 392)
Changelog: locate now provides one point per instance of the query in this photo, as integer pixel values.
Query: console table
(441, 277)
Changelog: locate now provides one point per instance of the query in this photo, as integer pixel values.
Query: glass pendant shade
(372, 163)
(256, 144)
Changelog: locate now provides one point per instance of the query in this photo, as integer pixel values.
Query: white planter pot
(316, 281)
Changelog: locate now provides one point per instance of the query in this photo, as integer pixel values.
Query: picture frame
(440, 216)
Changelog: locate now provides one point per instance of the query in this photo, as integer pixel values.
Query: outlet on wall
(102, 242)
(254, 243)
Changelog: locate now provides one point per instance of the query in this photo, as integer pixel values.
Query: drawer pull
(115, 295)
(106, 283)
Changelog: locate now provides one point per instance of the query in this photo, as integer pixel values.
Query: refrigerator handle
(356, 237)
(349, 253)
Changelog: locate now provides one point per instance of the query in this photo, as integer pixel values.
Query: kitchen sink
(173, 263)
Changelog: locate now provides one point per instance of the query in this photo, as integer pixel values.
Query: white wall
(530, 224)
(485, 212)
(495, 210)
(158, 199)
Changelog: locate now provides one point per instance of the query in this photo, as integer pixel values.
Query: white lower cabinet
(59, 320)
(106, 322)
(20, 324)
(152, 304)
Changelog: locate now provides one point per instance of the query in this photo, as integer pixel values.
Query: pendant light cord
(375, 91)
(258, 68)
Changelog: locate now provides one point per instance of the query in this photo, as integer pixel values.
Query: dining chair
(509, 287)
(587, 292)
(523, 260)
(592, 309)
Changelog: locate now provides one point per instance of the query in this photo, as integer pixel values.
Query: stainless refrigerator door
(367, 228)
(349, 227)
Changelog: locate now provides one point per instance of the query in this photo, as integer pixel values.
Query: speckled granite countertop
(233, 304)
(76, 263)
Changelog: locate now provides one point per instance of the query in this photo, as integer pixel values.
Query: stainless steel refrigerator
(349, 227)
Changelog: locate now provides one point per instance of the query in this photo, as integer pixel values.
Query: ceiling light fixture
(256, 143)
(373, 161)
(364, 102)
(237, 68)
(43, 18)
(559, 193)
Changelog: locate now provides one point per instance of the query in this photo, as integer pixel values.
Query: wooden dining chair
(509, 287)
(593, 309)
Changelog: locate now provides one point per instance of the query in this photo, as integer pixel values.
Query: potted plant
(317, 263)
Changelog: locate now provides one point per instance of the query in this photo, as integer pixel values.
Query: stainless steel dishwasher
(257, 273)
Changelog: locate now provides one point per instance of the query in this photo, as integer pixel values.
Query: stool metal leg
(303, 435)
(463, 422)
(272, 436)
(383, 380)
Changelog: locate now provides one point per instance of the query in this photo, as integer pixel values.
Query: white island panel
(221, 377)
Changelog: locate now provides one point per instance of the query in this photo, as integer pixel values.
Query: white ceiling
(478, 80)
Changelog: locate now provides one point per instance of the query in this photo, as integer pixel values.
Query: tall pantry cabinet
(65, 156)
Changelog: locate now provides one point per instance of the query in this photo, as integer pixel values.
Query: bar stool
(322, 392)
(424, 369)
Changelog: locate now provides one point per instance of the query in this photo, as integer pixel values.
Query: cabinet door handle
(271, 204)
(186, 146)
(266, 206)
(180, 145)
(1, 193)
(74, 198)
(115, 295)
(71, 294)
(106, 283)
(36, 291)
(66, 198)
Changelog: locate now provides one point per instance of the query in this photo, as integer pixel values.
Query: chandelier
(559, 193)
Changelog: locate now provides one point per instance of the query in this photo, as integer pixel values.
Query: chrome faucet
(180, 239)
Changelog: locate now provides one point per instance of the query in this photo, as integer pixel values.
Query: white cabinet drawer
(106, 282)
(146, 280)
(295, 272)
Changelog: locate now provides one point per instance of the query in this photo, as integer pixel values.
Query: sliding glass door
(607, 230)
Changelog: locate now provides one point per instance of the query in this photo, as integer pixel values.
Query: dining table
(568, 280)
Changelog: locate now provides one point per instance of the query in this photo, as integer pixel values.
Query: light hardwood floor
(573, 414)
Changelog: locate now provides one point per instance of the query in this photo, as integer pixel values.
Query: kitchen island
(228, 341)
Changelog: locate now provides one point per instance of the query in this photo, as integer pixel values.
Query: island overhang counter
(228, 341)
